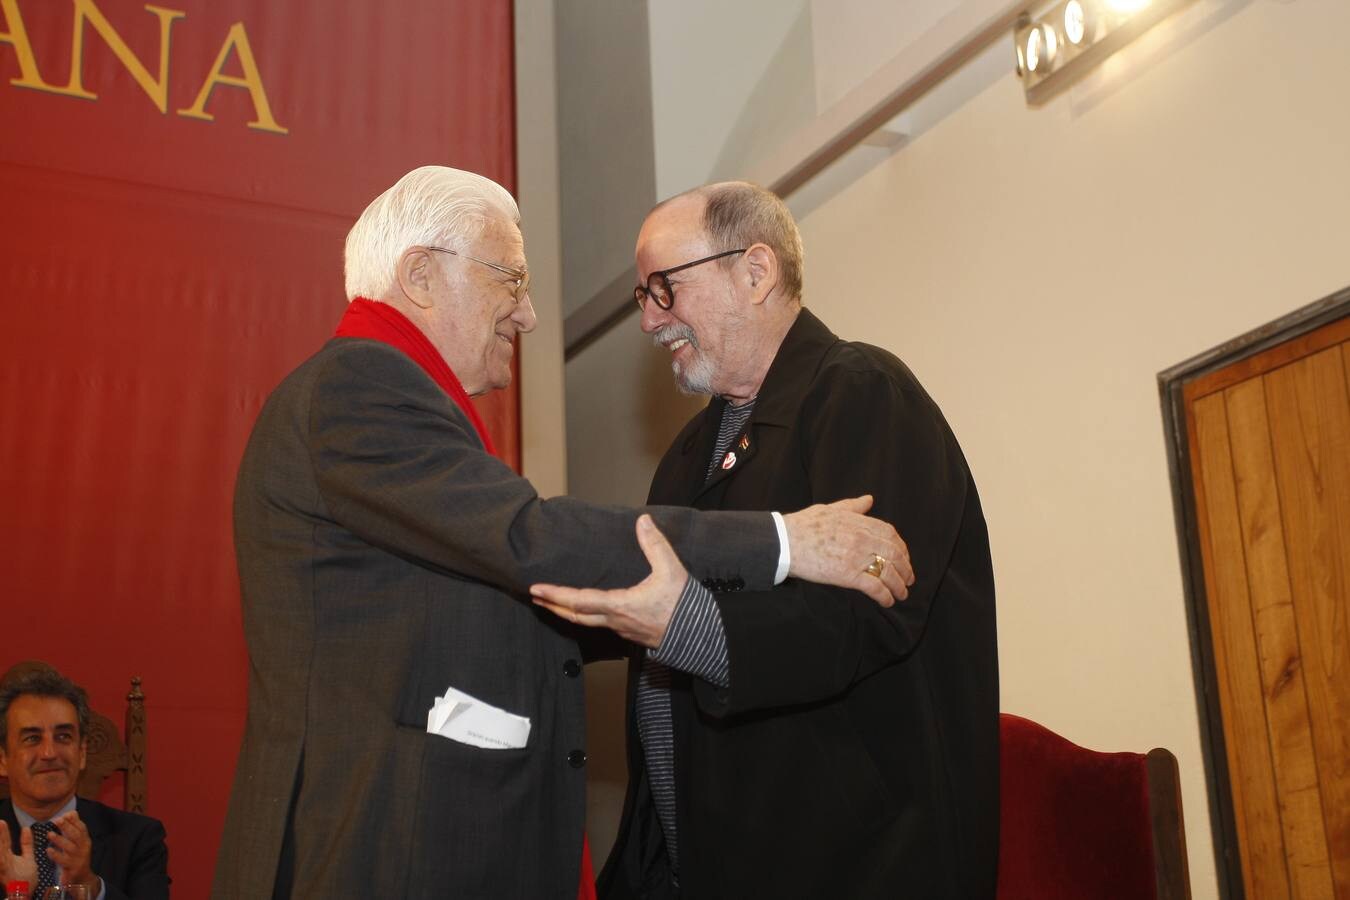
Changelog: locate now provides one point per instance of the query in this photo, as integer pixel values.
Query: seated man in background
(48, 836)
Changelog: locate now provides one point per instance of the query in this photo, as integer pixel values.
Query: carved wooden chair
(107, 751)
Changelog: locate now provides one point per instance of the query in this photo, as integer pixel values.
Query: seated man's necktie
(45, 867)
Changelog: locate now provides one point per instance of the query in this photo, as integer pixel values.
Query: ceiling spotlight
(1077, 22)
(1042, 45)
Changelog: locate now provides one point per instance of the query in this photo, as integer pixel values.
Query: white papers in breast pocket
(469, 720)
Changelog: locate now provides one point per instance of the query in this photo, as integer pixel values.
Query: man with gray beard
(799, 741)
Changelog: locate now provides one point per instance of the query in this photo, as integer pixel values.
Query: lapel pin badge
(745, 442)
(729, 460)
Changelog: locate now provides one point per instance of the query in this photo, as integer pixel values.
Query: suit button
(576, 759)
(736, 584)
(571, 668)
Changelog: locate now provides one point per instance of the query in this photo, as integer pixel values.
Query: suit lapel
(91, 814)
(96, 821)
(798, 358)
(734, 460)
(683, 478)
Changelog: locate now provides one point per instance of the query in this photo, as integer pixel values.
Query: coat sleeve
(398, 465)
(866, 431)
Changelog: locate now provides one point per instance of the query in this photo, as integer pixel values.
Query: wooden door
(1269, 441)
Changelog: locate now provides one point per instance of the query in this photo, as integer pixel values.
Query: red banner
(177, 182)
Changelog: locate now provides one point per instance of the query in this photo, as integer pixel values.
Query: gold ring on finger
(875, 566)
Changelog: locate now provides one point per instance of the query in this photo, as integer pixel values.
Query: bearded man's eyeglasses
(658, 286)
(519, 288)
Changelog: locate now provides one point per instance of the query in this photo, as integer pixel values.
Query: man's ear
(762, 265)
(84, 751)
(4, 763)
(414, 276)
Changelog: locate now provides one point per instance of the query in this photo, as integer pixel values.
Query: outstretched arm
(432, 495)
(642, 613)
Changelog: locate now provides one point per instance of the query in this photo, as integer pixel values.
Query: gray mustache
(674, 332)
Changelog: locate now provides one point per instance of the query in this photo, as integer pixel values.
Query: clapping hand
(22, 867)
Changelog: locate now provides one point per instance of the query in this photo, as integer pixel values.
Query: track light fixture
(1072, 36)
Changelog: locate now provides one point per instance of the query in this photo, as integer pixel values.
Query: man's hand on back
(834, 543)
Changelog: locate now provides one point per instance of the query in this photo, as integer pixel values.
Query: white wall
(1038, 268)
(543, 423)
(605, 160)
(851, 39)
(730, 81)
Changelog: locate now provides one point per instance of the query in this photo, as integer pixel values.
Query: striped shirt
(695, 642)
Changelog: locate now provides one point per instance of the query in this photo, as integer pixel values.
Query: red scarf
(381, 322)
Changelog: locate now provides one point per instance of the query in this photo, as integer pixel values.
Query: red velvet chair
(1077, 825)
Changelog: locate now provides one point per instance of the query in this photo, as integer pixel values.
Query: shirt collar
(26, 821)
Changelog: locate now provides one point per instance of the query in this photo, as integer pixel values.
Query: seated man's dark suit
(128, 850)
(855, 753)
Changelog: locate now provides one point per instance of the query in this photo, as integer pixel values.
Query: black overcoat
(855, 754)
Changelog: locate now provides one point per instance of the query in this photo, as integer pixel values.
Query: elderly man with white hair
(415, 725)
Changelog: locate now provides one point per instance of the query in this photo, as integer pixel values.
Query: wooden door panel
(1277, 639)
(1255, 800)
(1310, 427)
(1269, 444)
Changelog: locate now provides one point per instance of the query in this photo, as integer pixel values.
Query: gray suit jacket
(383, 557)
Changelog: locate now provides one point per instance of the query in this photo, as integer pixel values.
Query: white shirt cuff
(784, 552)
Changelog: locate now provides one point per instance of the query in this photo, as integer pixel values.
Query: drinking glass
(67, 892)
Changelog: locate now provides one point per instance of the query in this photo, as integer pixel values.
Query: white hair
(433, 205)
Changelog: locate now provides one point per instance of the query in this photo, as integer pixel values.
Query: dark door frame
(1171, 384)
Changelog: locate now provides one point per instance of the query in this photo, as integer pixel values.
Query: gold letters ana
(156, 88)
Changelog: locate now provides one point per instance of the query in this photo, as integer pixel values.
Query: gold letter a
(236, 40)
